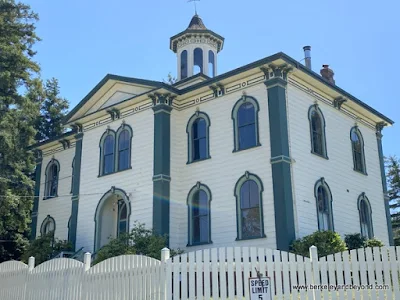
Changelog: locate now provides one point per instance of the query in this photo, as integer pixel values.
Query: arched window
(122, 218)
(245, 123)
(364, 209)
(48, 225)
(52, 176)
(248, 193)
(72, 176)
(184, 64)
(211, 63)
(124, 135)
(107, 153)
(323, 198)
(198, 130)
(317, 131)
(199, 215)
(357, 146)
(197, 61)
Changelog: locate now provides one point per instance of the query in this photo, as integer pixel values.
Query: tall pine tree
(17, 117)
(393, 177)
(53, 108)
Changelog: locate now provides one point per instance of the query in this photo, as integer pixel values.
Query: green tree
(140, 240)
(53, 108)
(17, 117)
(393, 178)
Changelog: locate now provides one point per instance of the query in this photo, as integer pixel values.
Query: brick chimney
(327, 74)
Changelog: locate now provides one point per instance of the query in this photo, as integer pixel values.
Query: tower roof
(196, 23)
(196, 30)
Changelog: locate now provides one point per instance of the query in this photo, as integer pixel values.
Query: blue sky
(82, 41)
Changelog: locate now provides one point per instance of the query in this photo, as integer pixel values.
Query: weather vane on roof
(195, 6)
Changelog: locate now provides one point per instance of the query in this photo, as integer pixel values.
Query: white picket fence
(218, 273)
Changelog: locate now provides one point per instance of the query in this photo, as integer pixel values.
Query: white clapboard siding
(217, 273)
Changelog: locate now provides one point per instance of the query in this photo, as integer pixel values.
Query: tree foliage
(170, 79)
(45, 247)
(393, 178)
(140, 240)
(354, 241)
(18, 115)
(53, 108)
(327, 242)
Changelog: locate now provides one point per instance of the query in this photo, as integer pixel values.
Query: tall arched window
(245, 123)
(124, 136)
(198, 130)
(48, 225)
(357, 146)
(323, 198)
(197, 61)
(184, 64)
(364, 209)
(211, 63)
(122, 217)
(199, 215)
(317, 131)
(248, 193)
(52, 177)
(107, 153)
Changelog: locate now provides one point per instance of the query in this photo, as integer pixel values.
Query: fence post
(165, 254)
(87, 260)
(315, 273)
(31, 263)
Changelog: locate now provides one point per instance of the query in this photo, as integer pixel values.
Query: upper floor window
(48, 225)
(197, 61)
(357, 146)
(124, 136)
(323, 198)
(245, 123)
(317, 131)
(107, 152)
(364, 209)
(198, 137)
(248, 193)
(199, 215)
(184, 64)
(211, 63)
(52, 176)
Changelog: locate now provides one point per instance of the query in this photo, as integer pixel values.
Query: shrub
(373, 243)
(45, 247)
(139, 241)
(327, 242)
(354, 241)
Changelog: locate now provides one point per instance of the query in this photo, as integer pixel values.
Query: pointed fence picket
(217, 273)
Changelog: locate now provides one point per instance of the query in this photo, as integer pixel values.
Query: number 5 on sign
(260, 288)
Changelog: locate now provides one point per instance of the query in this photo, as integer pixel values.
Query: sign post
(260, 288)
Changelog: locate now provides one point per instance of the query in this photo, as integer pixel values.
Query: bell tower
(196, 49)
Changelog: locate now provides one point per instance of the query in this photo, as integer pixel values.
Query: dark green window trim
(248, 176)
(322, 183)
(130, 132)
(189, 126)
(46, 182)
(363, 169)
(72, 177)
(113, 191)
(315, 108)
(47, 220)
(101, 146)
(234, 117)
(364, 198)
(198, 187)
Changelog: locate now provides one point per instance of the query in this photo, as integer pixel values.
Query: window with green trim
(52, 177)
(124, 136)
(357, 146)
(248, 192)
(245, 123)
(199, 215)
(198, 131)
(365, 213)
(317, 131)
(323, 198)
(48, 225)
(122, 218)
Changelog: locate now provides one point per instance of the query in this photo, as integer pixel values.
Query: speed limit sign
(260, 288)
